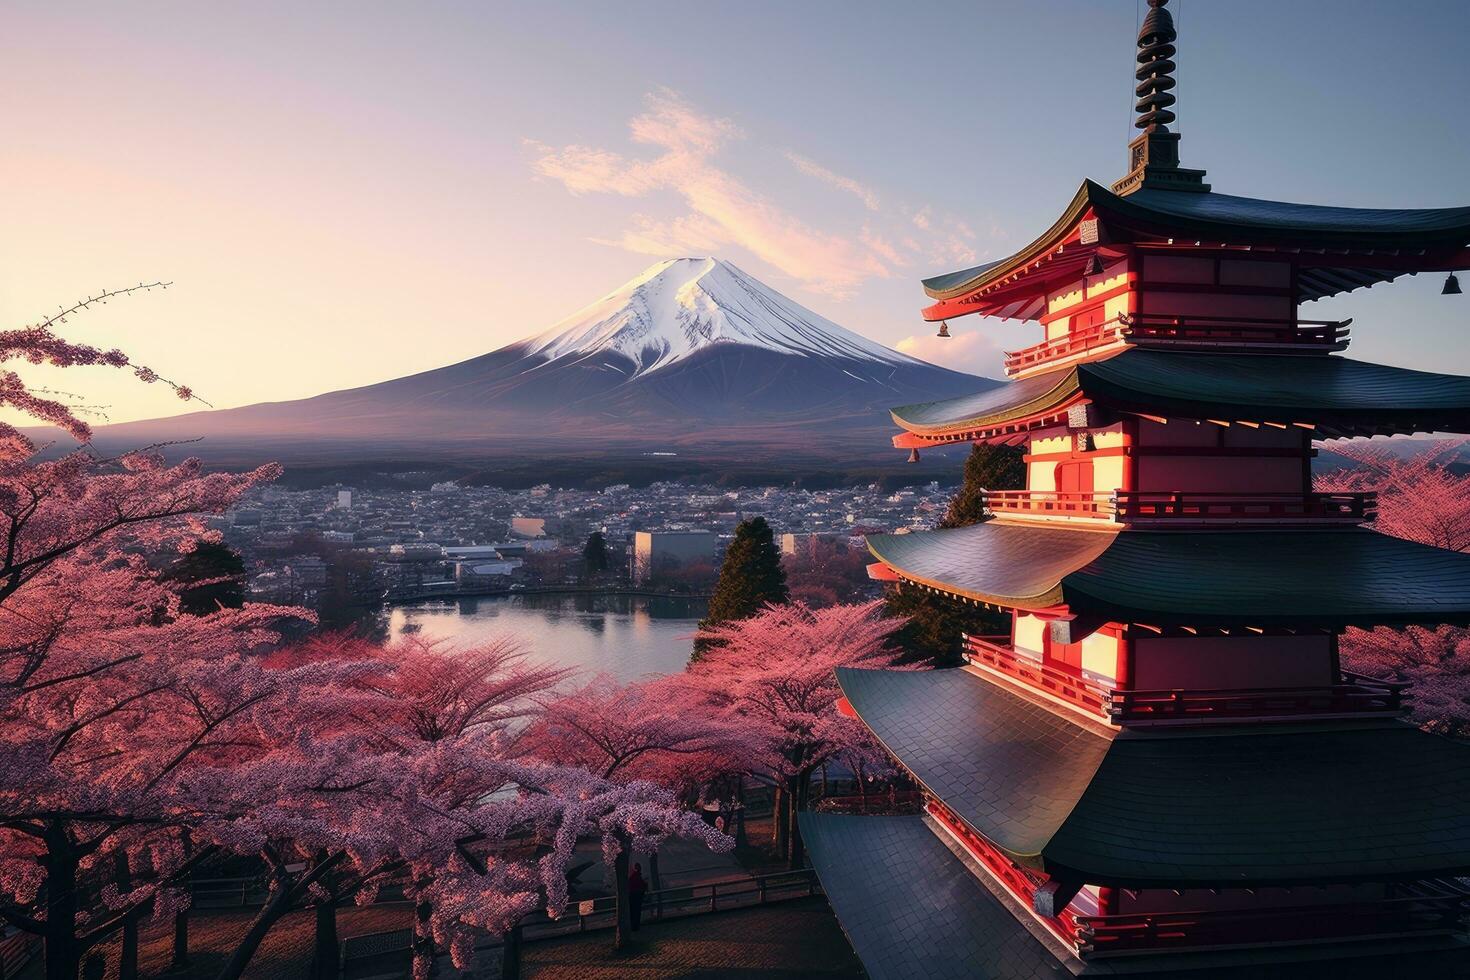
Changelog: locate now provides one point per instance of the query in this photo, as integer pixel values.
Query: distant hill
(693, 358)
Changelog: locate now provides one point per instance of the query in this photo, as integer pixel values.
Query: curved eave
(1433, 238)
(1218, 806)
(1010, 564)
(1325, 578)
(956, 284)
(1336, 395)
(1013, 401)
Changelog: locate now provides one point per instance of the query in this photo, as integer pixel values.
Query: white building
(344, 499)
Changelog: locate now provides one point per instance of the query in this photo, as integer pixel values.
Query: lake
(628, 637)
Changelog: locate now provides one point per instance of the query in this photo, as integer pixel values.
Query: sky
(343, 193)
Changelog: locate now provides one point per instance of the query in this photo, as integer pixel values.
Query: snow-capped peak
(680, 306)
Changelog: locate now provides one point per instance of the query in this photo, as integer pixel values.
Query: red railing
(1438, 906)
(1175, 507)
(996, 653)
(1067, 345)
(1139, 506)
(1050, 502)
(1356, 694)
(1150, 329)
(1166, 330)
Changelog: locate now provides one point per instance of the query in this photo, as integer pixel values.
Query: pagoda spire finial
(1153, 158)
(1156, 69)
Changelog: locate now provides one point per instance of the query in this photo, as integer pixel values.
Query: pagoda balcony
(1354, 695)
(1422, 908)
(1429, 907)
(1181, 332)
(1144, 508)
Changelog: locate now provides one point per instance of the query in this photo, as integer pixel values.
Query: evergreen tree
(594, 553)
(986, 468)
(207, 563)
(936, 622)
(750, 577)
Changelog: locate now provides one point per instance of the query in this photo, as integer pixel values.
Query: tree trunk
(277, 904)
(181, 918)
(779, 820)
(624, 932)
(423, 941)
(181, 938)
(60, 865)
(740, 839)
(653, 879)
(127, 964)
(510, 954)
(324, 944)
(800, 793)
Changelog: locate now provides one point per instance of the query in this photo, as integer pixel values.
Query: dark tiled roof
(1218, 807)
(912, 909)
(1012, 563)
(1012, 769)
(1340, 395)
(1242, 221)
(1378, 801)
(1338, 576)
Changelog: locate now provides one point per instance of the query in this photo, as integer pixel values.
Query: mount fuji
(693, 358)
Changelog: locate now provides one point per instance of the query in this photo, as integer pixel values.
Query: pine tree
(594, 553)
(750, 577)
(986, 468)
(936, 622)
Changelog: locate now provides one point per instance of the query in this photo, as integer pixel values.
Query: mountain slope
(692, 356)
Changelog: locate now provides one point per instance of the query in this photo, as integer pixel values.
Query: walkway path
(794, 939)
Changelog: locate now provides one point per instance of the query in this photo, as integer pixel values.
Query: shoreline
(544, 590)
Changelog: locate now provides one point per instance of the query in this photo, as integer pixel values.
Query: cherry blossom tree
(125, 724)
(1424, 498)
(108, 697)
(662, 731)
(773, 674)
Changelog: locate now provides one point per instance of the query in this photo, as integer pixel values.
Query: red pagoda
(1163, 768)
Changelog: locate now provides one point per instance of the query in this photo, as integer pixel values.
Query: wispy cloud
(811, 168)
(969, 351)
(725, 211)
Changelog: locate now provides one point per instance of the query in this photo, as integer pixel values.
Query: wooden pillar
(1123, 676)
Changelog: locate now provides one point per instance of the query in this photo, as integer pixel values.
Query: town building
(1163, 769)
(655, 552)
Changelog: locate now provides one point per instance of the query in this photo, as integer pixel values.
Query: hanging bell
(1451, 285)
(943, 329)
(1094, 266)
(914, 455)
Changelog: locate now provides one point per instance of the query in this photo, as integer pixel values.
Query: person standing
(636, 887)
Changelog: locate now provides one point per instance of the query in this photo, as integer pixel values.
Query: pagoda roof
(915, 908)
(1193, 808)
(1337, 395)
(1328, 577)
(912, 908)
(1223, 220)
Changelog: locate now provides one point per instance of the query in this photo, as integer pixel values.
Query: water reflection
(626, 636)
